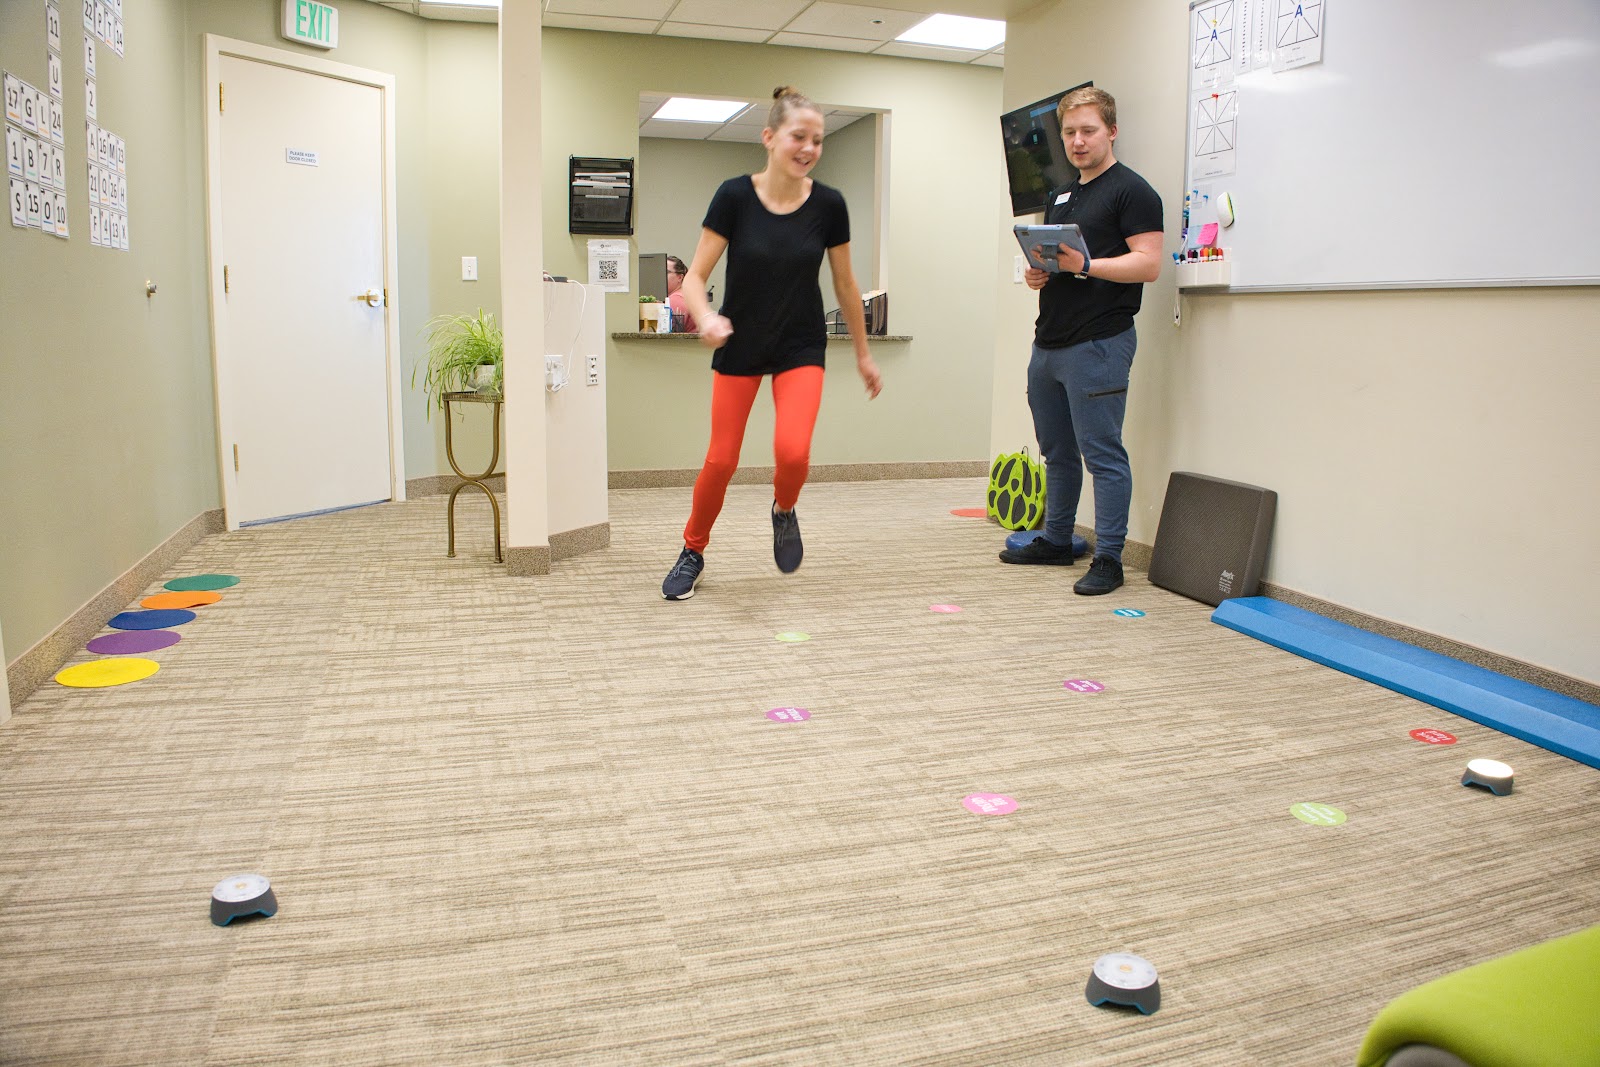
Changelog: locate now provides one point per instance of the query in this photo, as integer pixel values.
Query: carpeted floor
(546, 820)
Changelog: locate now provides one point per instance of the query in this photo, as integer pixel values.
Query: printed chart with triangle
(1216, 118)
(1213, 34)
(1298, 22)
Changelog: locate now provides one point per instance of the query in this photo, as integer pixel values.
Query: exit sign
(311, 23)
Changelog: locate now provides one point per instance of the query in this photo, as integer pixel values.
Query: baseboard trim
(826, 472)
(440, 484)
(1531, 673)
(528, 561)
(570, 543)
(41, 662)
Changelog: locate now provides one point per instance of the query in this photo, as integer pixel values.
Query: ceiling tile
(598, 22)
(742, 134)
(850, 20)
(750, 14)
(649, 104)
(811, 40)
(990, 59)
(714, 33)
(927, 51)
(656, 10)
(683, 131)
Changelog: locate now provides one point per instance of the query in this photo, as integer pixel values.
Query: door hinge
(220, 107)
(236, 458)
(385, 296)
(224, 279)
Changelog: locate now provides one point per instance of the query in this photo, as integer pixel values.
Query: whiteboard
(1436, 143)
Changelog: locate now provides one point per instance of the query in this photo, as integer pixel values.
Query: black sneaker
(1040, 550)
(787, 550)
(684, 575)
(1105, 574)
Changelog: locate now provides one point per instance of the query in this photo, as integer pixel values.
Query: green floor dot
(202, 582)
(1317, 814)
(793, 635)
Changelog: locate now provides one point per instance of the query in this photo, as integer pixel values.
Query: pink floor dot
(989, 803)
(1083, 685)
(788, 715)
(946, 609)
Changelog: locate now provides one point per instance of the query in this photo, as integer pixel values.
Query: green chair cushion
(1539, 1007)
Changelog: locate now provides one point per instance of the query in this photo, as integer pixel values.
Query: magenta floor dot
(158, 619)
(1083, 685)
(788, 715)
(132, 642)
(946, 609)
(989, 803)
(1433, 737)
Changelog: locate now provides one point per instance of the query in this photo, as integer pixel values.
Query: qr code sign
(610, 270)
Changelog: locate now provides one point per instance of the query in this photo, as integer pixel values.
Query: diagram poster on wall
(1297, 33)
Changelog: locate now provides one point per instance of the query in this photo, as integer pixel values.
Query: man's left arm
(1141, 263)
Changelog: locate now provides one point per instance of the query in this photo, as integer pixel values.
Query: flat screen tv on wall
(1036, 160)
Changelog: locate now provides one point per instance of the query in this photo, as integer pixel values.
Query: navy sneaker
(787, 549)
(1040, 550)
(1105, 574)
(684, 575)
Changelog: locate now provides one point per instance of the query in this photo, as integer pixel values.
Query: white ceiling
(744, 126)
(844, 27)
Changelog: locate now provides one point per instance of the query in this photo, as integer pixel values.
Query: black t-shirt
(771, 294)
(1109, 210)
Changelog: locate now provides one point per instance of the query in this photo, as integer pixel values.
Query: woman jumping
(775, 226)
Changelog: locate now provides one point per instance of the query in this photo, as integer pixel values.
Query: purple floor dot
(133, 642)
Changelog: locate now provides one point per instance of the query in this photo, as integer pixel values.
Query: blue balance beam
(1539, 716)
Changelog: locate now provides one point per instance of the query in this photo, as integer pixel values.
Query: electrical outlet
(594, 370)
(1018, 265)
(469, 268)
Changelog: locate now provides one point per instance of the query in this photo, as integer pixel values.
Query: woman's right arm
(714, 329)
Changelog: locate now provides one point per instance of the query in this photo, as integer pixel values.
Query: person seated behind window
(682, 321)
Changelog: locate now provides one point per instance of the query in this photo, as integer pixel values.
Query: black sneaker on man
(684, 575)
(787, 549)
(1105, 574)
(1040, 550)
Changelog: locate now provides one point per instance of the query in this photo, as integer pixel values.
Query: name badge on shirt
(1063, 198)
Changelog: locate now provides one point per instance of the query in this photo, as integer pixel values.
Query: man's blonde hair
(1098, 98)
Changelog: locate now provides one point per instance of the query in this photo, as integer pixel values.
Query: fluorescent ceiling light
(690, 109)
(957, 31)
(461, 3)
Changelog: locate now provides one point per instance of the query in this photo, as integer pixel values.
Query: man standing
(1083, 341)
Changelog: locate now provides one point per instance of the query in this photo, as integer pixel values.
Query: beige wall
(941, 182)
(1434, 450)
(849, 164)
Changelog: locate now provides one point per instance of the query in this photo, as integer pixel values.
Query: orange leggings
(797, 395)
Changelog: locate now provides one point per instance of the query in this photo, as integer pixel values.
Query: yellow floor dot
(103, 672)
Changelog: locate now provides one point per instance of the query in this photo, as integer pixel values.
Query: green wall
(107, 441)
(945, 174)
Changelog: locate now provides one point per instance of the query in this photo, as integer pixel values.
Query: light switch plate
(469, 268)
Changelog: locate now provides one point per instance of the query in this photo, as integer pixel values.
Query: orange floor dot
(195, 599)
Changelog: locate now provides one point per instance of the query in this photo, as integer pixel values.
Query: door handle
(373, 297)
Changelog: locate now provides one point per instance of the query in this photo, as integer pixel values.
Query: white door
(302, 344)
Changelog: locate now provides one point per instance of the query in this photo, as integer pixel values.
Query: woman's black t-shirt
(772, 295)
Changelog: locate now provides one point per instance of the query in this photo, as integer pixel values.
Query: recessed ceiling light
(691, 109)
(957, 31)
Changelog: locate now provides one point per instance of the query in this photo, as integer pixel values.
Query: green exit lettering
(310, 22)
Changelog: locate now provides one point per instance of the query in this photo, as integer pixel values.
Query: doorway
(302, 243)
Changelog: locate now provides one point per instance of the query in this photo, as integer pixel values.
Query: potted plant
(465, 352)
(649, 314)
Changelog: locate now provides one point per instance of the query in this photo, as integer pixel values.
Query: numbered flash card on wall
(91, 104)
(13, 91)
(58, 123)
(61, 215)
(52, 26)
(14, 152)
